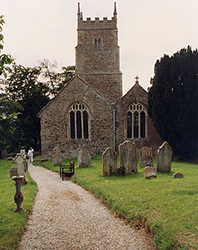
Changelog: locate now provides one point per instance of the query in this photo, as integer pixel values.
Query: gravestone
(149, 171)
(128, 159)
(19, 159)
(13, 171)
(84, 158)
(178, 175)
(57, 159)
(146, 156)
(164, 156)
(4, 154)
(109, 162)
(25, 164)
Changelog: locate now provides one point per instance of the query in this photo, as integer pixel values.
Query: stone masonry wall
(99, 64)
(55, 127)
(135, 94)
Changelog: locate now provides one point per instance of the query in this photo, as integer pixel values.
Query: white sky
(147, 29)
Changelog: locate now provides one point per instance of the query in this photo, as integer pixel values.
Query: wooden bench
(67, 170)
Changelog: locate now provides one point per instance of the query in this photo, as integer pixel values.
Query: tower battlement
(105, 23)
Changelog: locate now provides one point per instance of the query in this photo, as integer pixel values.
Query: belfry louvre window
(97, 44)
(136, 121)
(78, 115)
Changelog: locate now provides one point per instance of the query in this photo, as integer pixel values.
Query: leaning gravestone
(84, 158)
(178, 175)
(149, 171)
(109, 162)
(19, 159)
(146, 156)
(4, 154)
(164, 156)
(128, 159)
(57, 159)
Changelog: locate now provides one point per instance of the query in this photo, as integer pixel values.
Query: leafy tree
(54, 80)
(65, 76)
(24, 88)
(9, 110)
(31, 89)
(4, 59)
(173, 101)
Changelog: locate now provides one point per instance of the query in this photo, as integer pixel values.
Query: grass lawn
(165, 206)
(13, 223)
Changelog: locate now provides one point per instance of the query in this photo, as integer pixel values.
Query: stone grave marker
(128, 159)
(13, 171)
(109, 162)
(4, 154)
(178, 175)
(149, 171)
(146, 156)
(57, 159)
(19, 159)
(84, 158)
(164, 157)
(25, 164)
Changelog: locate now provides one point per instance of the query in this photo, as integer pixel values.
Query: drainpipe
(113, 105)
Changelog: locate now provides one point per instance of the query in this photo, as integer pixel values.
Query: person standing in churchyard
(22, 151)
(30, 154)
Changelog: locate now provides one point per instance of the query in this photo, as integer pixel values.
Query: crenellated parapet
(105, 23)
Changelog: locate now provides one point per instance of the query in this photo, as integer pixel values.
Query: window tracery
(78, 114)
(136, 121)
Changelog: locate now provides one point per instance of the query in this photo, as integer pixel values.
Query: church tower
(97, 55)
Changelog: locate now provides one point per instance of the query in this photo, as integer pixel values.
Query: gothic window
(97, 44)
(129, 124)
(72, 124)
(136, 121)
(79, 124)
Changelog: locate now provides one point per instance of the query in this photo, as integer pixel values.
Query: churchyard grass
(165, 206)
(12, 224)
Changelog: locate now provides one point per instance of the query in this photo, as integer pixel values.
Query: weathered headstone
(164, 156)
(84, 158)
(109, 162)
(128, 159)
(146, 156)
(149, 171)
(57, 159)
(13, 171)
(19, 159)
(177, 175)
(25, 164)
(4, 154)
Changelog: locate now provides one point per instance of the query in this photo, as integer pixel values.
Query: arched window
(79, 128)
(136, 121)
(97, 44)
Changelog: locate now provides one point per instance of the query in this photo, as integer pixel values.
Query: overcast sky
(147, 29)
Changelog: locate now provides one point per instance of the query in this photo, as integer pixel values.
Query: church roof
(136, 93)
(76, 77)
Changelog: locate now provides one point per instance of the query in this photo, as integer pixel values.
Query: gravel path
(65, 216)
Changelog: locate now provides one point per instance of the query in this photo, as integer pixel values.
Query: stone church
(91, 110)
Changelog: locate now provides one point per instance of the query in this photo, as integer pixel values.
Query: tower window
(97, 44)
(136, 121)
(78, 115)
